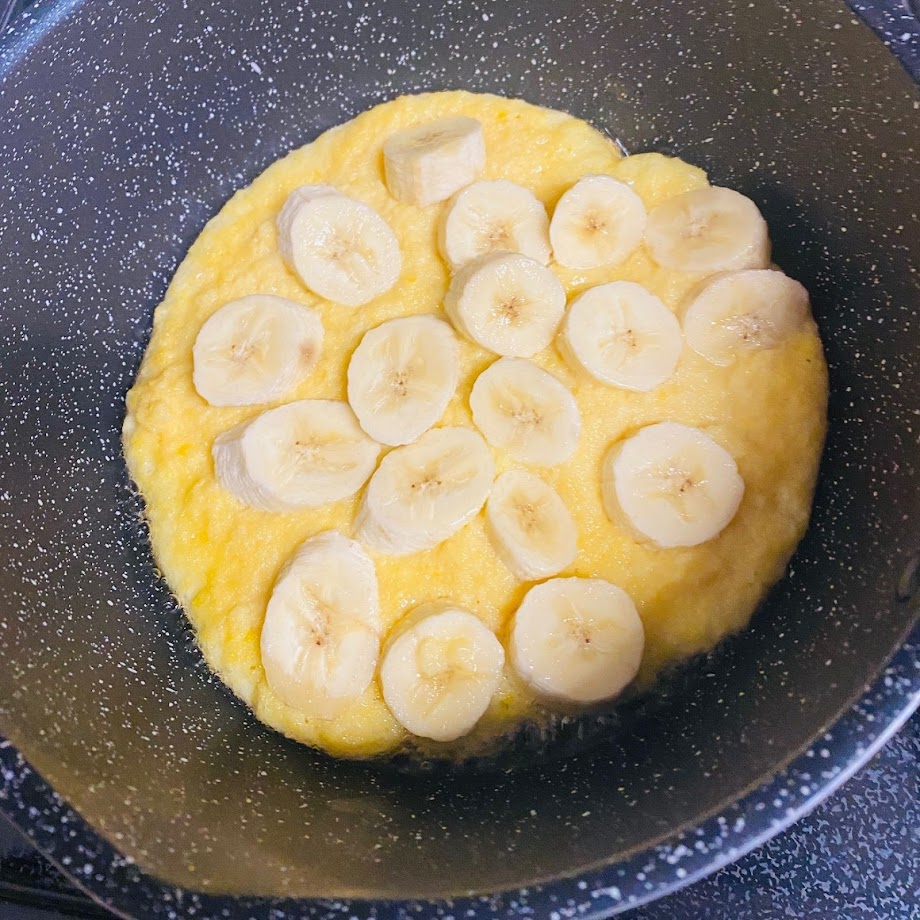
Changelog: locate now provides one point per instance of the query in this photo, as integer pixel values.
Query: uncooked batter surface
(221, 558)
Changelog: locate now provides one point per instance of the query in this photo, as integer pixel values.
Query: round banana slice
(507, 303)
(300, 455)
(440, 671)
(708, 230)
(577, 640)
(341, 249)
(494, 216)
(598, 221)
(744, 311)
(429, 162)
(622, 335)
(423, 493)
(526, 411)
(321, 634)
(401, 377)
(531, 528)
(672, 485)
(255, 349)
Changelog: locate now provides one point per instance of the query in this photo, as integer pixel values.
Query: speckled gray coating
(897, 23)
(112, 156)
(855, 857)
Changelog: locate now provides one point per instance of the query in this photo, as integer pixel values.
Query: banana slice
(440, 671)
(525, 410)
(507, 303)
(744, 311)
(671, 484)
(494, 216)
(708, 230)
(577, 640)
(321, 635)
(402, 376)
(425, 492)
(530, 526)
(622, 335)
(598, 221)
(341, 249)
(300, 455)
(255, 349)
(429, 162)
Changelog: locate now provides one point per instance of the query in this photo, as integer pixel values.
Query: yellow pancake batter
(221, 558)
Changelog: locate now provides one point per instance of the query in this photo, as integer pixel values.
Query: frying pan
(123, 127)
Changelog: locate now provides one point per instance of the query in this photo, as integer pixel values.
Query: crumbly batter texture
(221, 558)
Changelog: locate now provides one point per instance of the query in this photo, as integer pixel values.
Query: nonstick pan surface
(123, 128)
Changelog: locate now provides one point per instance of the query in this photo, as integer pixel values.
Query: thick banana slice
(598, 221)
(341, 249)
(708, 230)
(530, 526)
(744, 311)
(507, 303)
(440, 671)
(321, 634)
(300, 455)
(402, 376)
(577, 640)
(494, 216)
(671, 484)
(255, 349)
(429, 162)
(425, 492)
(622, 335)
(525, 410)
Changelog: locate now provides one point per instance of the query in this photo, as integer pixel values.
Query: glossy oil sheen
(113, 155)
